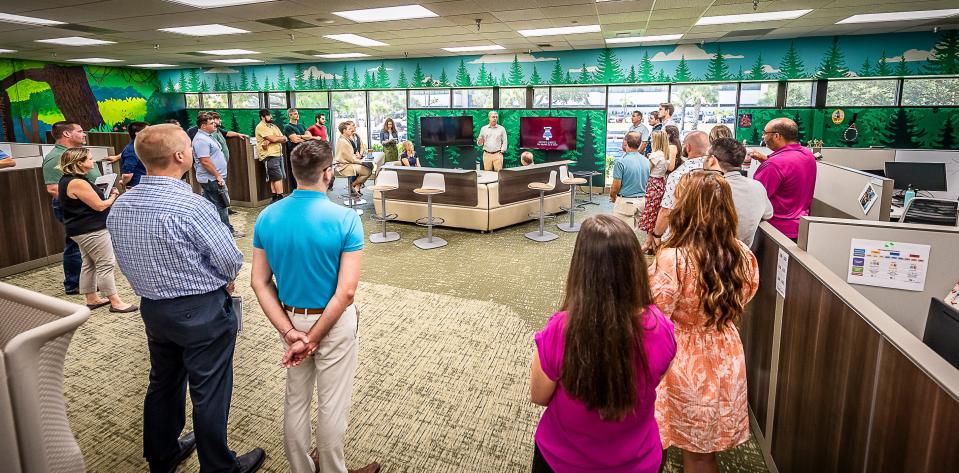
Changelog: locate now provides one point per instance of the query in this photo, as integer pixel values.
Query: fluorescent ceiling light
(28, 20)
(75, 41)
(404, 12)
(899, 16)
(341, 55)
(3, 51)
(561, 30)
(216, 3)
(751, 17)
(466, 49)
(644, 39)
(204, 30)
(237, 61)
(95, 60)
(228, 52)
(355, 39)
(151, 66)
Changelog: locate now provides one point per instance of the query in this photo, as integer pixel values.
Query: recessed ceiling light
(341, 55)
(95, 60)
(644, 39)
(355, 39)
(228, 52)
(899, 16)
(204, 30)
(237, 61)
(751, 17)
(466, 49)
(28, 20)
(404, 12)
(75, 41)
(4, 51)
(151, 66)
(216, 3)
(562, 30)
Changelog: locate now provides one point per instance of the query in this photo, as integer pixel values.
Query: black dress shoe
(187, 446)
(72, 292)
(230, 211)
(251, 461)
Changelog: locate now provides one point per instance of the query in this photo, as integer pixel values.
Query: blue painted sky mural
(899, 54)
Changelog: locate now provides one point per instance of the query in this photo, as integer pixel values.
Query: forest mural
(901, 54)
(34, 95)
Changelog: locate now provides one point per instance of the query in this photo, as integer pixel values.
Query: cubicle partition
(863, 159)
(836, 384)
(839, 191)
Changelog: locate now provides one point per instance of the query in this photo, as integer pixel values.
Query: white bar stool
(386, 181)
(566, 178)
(433, 184)
(542, 236)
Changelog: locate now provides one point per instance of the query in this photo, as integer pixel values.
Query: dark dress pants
(191, 341)
(219, 197)
(71, 256)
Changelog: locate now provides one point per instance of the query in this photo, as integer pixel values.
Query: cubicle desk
(835, 384)
(838, 189)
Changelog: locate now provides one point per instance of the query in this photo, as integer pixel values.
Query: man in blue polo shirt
(317, 270)
(630, 175)
(210, 165)
(131, 166)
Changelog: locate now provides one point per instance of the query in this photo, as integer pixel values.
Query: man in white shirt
(492, 138)
(749, 195)
(638, 127)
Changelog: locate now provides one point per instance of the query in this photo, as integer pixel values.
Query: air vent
(544, 45)
(307, 52)
(194, 53)
(733, 34)
(287, 23)
(286, 59)
(85, 29)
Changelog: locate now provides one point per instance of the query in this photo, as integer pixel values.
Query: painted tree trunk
(71, 93)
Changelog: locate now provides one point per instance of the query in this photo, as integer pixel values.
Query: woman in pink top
(598, 361)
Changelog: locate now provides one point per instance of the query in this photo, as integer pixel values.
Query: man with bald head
(695, 149)
(181, 260)
(788, 174)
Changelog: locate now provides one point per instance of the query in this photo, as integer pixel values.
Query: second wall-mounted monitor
(446, 131)
(548, 133)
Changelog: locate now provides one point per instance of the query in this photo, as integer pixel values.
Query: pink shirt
(573, 438)
(789, 176)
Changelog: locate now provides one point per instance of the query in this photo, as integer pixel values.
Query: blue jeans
(215, 194)
(71, 256)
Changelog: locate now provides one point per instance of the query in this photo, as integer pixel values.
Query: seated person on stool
(526, 159)
(492, 138)
(409, 157)
(348, 161)
(630, 175)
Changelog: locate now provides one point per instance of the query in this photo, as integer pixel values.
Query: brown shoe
(371, 468)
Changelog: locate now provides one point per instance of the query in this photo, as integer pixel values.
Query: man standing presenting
(67, 135)
(319, 129)
(749, 196)
(695, 148)
(638, 127)
(211, 169)
(788, 174)
(317, 270)
(271, 139)
(492, 138)
(182, 264)
(630, 174)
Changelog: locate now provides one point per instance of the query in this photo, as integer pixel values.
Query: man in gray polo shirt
(749, 195)
(638, 127)
(210, 165)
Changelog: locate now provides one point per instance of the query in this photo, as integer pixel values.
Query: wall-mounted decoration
(838, 116)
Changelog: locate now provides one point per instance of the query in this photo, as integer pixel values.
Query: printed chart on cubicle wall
(888, 264)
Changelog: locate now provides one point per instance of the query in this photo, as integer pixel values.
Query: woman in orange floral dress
(701, 279)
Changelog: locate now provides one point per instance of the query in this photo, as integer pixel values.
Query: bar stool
(572, 182)
(542, 236)
(433, 183)
(386, 181)
(589, 175)
(348, 199)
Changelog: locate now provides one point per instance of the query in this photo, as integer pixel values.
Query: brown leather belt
(301, 310)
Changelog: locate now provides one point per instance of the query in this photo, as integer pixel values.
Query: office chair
(931, 211)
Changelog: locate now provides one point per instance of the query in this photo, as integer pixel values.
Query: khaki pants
(492, 161)
(96, 251)
(629, 210)
(330, 372)
(362, 173)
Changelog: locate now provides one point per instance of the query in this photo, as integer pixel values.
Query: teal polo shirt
(304, 236)
(632, 170)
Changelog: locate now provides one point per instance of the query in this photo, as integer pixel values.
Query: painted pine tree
(367, 80)
(556, 77)
(228, 85)
(280, 79)
(584, 77)
(444, 80)
(662, 76)
(717, 68)
(254, 83)
(217, 85)
(535, 79)
(267, 86)
(901, 132)
(758, 71)
(299, 82)
(204, 86)
(568, 79)
(481, 79)
(234, 124)
(588, 151)
(401, 81)
(682, 71)
(194, 85)
(490, 80)
(866, 69)
(355, 82)
(345, 80)
(902, 69)
(288, 85)
(382, 76)
(833, 63)
(418, 76)
(170, 86)
(608, 69)
(791, 66)
(462, 75)
(754, 138)
(801, 126)
(311, 83)
(740, 75)
(631, 78)
(335, 82)
(244, 83)
(945, 55)
(183, 85)
(515, 72)
(646, 72)
(882, 67)
(320, 83)
(947, 138)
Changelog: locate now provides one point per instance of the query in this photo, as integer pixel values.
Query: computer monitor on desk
(919, 176)
(942, 331)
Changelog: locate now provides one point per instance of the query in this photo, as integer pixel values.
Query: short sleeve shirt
(641, 129)
(52, 175)
(204, 146)
(268, 129)
(669, 198)
(306, 262)
(130, 164)
(319, 131)
(632, 171)
(220, 136)
(293, 129)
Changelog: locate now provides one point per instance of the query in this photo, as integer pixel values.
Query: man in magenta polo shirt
(788, 174)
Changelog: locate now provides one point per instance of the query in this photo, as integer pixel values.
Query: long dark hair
(390, 122)
(673, 132)
(607, 291)
(703, 223)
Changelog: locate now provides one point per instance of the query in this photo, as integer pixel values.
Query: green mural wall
(905, 128)
(589, 154)
(245, 121)
(34, 95)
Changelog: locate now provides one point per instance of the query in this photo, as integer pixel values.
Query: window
(758, 94)
(541, 97)
(276, 100)
(578, 97)
(512, 98)
(312, 99)
(430, 98)
(473, 98)
(215, 101)
(799, 94)
(348, 106)
(245, 99)
(861, 93)
(622, 102)
(387, 104)
(192, 100)
(930, 92)
(703, 106)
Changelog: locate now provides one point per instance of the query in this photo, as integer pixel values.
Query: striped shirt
(169, 242)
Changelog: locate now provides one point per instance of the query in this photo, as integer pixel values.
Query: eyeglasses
(770, 132)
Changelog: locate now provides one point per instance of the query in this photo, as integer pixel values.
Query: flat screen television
(547, 133)
(446, 131)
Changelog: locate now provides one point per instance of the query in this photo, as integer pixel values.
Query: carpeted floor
(442, 382)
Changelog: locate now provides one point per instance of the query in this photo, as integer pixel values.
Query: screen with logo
(548, 133)
(446, 131)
